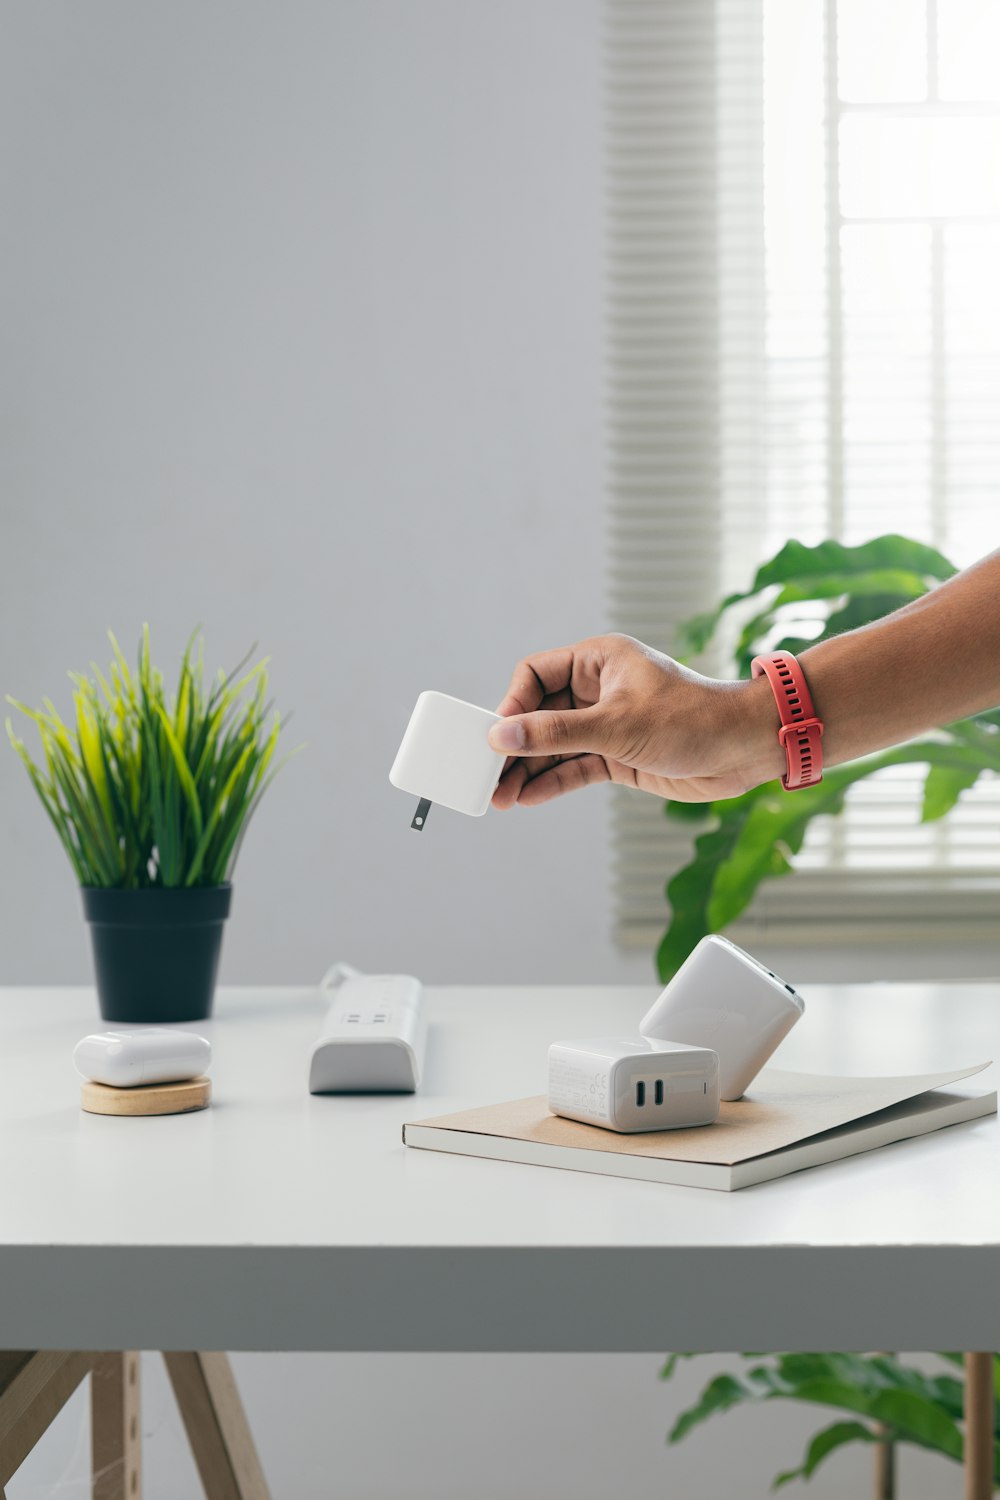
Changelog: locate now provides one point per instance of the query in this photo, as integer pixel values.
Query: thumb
(578, 731)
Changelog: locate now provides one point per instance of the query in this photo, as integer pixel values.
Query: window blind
(803, 340)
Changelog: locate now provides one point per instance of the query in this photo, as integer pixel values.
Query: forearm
(934, 661)
(641, 719)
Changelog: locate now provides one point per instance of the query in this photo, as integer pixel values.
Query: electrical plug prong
(420, 816)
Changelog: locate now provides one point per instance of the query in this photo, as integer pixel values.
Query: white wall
(301, 341)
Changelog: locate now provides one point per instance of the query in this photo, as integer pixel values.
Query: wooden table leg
(979, 1399)
(216, 1426)
(115, 1427)
(34, 1387)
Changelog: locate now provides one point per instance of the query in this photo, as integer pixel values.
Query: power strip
(374, 1037)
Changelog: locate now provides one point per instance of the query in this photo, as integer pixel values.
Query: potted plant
(884, 1402)
(151, 797)
(799, 597)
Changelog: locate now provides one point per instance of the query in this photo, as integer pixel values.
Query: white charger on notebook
(722, 997)
(632, 1084)
(704, 1039)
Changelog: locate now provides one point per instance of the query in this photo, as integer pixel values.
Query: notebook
(786, 1122)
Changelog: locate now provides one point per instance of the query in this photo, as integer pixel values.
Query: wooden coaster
(151, 1099)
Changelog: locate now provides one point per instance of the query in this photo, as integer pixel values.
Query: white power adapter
(445, 757)
(722, 997)
(633, 1084)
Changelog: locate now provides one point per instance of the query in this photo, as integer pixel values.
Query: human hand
(612, 709)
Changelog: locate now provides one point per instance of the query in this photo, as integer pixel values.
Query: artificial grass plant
(150, 791)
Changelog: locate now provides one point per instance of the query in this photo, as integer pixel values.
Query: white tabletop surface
(279, 1220)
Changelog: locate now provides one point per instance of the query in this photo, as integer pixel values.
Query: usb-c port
(658, 1092)
(640, 1094)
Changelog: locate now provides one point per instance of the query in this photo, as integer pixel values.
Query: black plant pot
(156, 952)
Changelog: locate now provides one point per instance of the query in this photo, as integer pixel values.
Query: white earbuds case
(143, 1054)
(723, 998)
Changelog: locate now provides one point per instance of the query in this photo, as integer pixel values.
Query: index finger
(535, 677)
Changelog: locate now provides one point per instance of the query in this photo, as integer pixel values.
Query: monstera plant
(802, 596)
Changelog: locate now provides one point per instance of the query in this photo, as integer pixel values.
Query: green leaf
(897, 553)
(689, 892)
(877, 576)
(99, 852)
(879, 582)
(775, 819)
(825, 1442)
(262, 784)
(49, 799)
(753, 836)
(221, 805)
(688, 812)
(826, 1391)
(721, 1394)
(694, 635)
(920, 1420)
(803, 1368)
(182, 768)
(944, 785)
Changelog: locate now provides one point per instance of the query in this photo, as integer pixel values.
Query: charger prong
(420, 816)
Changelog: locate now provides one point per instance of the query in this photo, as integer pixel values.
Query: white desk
(276, 1220)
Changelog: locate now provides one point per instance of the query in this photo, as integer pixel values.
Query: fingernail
(507, 735)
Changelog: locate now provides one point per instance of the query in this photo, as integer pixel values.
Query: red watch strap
(801, 732)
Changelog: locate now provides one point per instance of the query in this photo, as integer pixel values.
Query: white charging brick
(445, 756)
(634, 1084)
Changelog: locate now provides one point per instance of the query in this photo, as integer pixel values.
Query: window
(804, 340)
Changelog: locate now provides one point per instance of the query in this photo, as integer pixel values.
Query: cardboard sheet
(781, 1109)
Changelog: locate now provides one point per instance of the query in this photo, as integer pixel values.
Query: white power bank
(722, 997)
(445, 756)
(633, 1084)
(143, 1054)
